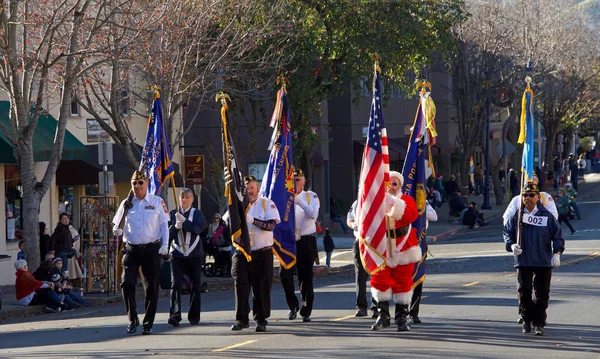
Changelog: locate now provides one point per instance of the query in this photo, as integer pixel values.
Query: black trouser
(147, 257)
(306, 252)
(192, 267)
(258, 276)
(45, 296)
(223, 261)
(562, 218)
(534, 310)
(415, 302)
(360, 280)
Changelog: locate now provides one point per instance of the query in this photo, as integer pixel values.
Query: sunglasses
(531, 195)
(140, 182)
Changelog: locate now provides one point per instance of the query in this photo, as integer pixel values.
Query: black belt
(268, 248)
(314, 235)
(140, 246)
(398, 232)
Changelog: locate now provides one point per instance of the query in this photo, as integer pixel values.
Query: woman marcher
(218, 232)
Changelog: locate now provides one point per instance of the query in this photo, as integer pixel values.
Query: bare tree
(43, 50)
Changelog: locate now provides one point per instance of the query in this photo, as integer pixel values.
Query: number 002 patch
(535, 220)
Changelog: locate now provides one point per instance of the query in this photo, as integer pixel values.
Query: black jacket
(539, 243)
(194, 225)
(61, 240)
(328, 244)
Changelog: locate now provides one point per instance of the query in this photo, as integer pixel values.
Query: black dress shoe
(374, 314)
(361, 313)
(526, 327)
(306, 319)
(293, 313)
(240, 326)
(132, 327)
(173, 321)
(146, 331)
(539, 330)
(193, 322)
(261, 328)
(520, 321)
(415, 319)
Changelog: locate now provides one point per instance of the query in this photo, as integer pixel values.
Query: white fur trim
(398, 207)
(398, 175)
(411, 255)
(403, 298)
(380, 296)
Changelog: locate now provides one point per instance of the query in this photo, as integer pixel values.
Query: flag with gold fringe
(278, 182)
(235, 189)
(414, 171)
(156, 155)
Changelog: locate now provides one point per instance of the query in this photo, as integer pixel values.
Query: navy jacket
(328, 244)
(195, 226)
(539, 243)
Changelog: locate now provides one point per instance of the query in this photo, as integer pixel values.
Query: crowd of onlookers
(56, 283)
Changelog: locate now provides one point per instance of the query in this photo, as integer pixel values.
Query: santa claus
(395, 281)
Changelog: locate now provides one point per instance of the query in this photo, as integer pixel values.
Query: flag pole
(156, 91)
(521, 207)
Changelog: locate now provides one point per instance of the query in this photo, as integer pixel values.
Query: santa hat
(398, 175)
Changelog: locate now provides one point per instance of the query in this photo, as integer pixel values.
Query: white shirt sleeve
(430, 213)
(512, 208)
(272, 212)
(311, 210)
(550, 204)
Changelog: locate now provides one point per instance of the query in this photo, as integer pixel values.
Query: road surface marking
(234, 346)
(342, 318)
(470, 284)
(511, 275)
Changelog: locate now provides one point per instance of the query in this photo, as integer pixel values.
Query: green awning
(43, 139)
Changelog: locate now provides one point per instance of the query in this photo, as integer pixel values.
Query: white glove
(249, 219)
(555, 260)
(516, 249)
(118, 232)
(178, 225)
(164, 250)
(180, 217)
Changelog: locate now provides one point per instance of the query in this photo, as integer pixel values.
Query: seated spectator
(472, 217)
(21, 253)
(62, 288)
(43, 271)
(31, 291)
(451, 187)
(335, 217)
(457, 204)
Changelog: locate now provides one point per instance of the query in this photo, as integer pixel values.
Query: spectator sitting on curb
(472, 217)
(31, 291)
(457, 206)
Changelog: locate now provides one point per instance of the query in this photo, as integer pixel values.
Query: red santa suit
(395, 280)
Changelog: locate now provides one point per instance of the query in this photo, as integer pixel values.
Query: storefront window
(12, 203)
(65, 200)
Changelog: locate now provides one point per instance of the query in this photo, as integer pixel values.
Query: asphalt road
(469, 311)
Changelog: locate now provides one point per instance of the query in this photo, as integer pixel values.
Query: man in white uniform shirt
(306, 212)
(146, 235)
(261, 216)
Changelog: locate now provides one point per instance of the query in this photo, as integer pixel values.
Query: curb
(457, 230)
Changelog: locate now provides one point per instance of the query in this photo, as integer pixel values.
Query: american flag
(374, 178)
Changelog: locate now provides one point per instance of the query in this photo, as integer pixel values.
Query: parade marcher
(415, 303)
(538, 250)
(572, 195)
(360, 274)
(514, 205)
(186, 224)
(145, 235)
(306, 212)
(395, 281)
(262, 216)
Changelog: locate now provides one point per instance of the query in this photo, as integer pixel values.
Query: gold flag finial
(528, 80)
(377, 59)
(283, 81)
(223, 97)
(424, 85)
(156, 89)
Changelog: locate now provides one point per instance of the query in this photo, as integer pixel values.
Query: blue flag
(278, 182)
(156, 156)
(526, 134)
(414, 172)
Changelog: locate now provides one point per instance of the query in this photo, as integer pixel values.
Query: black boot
(383, 320)
(402, 317)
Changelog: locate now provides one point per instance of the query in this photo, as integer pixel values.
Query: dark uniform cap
(298, 173)
(138, 175)
(249, 179)
(531, 187)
